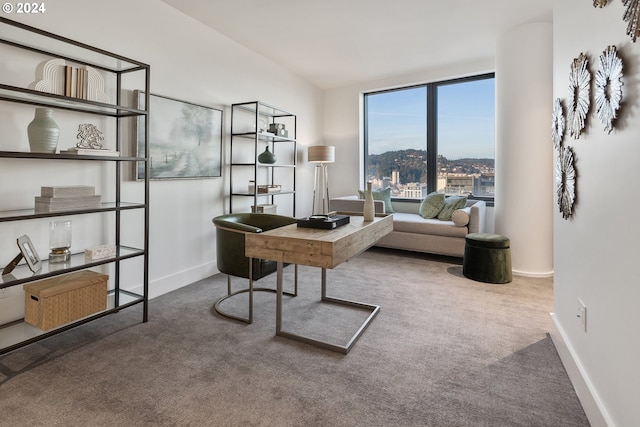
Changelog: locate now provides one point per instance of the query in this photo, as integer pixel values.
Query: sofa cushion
(384, 195)
(451, 203)
(431, 205)
(460, 217)
(414, 223)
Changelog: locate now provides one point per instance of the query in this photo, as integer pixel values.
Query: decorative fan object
(632, 15)
(50, 76)
(565, 181)
(557, 126)
(579, 100)
(608, 87)
(599, 3)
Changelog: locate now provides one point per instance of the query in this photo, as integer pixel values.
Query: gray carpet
(444, 351)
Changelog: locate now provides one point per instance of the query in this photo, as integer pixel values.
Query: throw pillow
(460, 217)
(451, 203)
(431, 205)
(384, 195)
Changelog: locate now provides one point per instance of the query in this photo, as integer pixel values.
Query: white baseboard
(166, 284)
(530, 274)
(591, 402)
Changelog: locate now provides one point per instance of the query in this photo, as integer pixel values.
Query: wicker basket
(53, 302)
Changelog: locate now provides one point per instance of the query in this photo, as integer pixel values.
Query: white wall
(597, 249)
(524, 166)
(189, 62)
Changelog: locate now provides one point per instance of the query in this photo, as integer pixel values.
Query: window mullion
(432, 135)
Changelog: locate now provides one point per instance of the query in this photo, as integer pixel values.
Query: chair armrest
(233, 226)
(252, 222)
(353, 204)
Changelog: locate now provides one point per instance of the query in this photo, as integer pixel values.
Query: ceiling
(334, 43)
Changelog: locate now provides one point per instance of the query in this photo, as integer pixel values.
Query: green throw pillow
(431, 205)
(451, 203)
(384, 195)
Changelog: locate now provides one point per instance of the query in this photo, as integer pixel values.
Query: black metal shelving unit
(247, 119)
(17, 334)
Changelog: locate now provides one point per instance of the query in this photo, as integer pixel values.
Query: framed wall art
(185, 139)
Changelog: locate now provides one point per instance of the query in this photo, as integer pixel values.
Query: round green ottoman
(487, 258)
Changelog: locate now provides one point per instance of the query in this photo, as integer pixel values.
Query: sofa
(412, 232)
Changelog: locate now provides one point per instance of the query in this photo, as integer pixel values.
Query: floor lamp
(321, 155)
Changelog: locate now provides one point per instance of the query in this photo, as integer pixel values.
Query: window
(434, 137)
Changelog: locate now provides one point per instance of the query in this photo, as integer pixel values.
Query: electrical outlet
(582, 314)
(4, 293)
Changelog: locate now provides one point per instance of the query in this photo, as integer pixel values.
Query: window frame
(432, 130)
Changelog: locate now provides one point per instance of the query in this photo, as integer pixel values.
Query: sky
(466, 120)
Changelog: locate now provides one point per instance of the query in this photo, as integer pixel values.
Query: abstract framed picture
(185, 139)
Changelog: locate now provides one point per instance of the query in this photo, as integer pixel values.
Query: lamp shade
(321, 154)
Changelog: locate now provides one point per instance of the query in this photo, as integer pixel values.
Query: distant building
(414, 190)
(485, 184)
(456, 184)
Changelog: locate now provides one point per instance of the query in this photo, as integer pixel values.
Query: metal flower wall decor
(579, 99)
(565, 181)
(632, 15)
(557, 125)
(608, 87)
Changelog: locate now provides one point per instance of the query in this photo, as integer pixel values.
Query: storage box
(53, 302)
(68, 191)
(265, 208)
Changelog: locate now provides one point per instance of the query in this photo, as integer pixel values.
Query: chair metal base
(340, 348)
(251, 290)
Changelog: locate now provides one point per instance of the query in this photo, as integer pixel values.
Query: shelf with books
(251, 123)
(105, 223)
(45, 99)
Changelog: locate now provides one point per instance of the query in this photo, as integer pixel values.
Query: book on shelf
(68, 79)
(91, 152)
(57, 204)
(68, 191)
(76, 82)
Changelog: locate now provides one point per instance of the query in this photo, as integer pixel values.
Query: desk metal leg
(344, 349)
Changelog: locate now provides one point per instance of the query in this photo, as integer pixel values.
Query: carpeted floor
(444, 351)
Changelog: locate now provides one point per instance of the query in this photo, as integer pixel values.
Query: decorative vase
(369, 212)
(267, 157)
(43, 132)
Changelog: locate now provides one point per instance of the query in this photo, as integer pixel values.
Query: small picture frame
(29, 253)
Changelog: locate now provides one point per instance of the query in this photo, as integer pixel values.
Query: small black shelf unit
(17, 333)
(249, 123)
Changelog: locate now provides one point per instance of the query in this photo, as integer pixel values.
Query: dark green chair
(487, 258)
(230, 235)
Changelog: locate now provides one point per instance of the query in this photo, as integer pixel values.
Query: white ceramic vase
(43, 132)
(369, 212)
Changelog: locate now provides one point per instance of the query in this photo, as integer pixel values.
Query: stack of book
(64, 198)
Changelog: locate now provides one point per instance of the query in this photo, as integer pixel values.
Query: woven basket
(53, 302)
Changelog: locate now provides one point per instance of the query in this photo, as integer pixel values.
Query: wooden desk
(318, 248)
